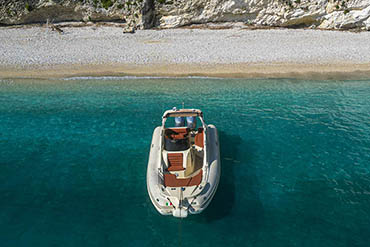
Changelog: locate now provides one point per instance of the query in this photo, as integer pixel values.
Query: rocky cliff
(324, 14)
(39, 11)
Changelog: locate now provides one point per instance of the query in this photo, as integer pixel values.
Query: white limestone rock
(347, 20)
(324, 14)
(320, 13)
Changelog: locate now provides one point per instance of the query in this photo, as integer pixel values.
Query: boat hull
(200, 196)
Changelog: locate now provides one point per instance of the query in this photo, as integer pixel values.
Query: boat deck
(170, 180)
(175, 160)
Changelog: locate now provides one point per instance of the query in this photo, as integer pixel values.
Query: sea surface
(295, 160)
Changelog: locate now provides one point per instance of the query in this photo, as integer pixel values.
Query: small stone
(129, 29)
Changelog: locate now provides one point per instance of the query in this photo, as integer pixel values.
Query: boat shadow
(235, 154)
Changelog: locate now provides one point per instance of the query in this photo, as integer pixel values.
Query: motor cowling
(191, 122)
(179, 121)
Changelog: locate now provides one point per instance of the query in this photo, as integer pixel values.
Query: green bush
(9, 12)
(28, 7)
(106, 3)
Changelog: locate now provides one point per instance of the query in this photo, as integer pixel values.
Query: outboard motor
(179, 121)
(192, 122)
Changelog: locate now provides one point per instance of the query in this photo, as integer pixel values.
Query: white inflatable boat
(184, 164)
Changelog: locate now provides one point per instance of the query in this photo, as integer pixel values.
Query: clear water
(295, 162)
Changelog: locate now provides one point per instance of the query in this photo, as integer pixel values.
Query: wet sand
(277, 70)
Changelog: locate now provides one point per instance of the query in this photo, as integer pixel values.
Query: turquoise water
(295, 162)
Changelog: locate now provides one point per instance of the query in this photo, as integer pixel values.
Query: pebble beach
(234, 52)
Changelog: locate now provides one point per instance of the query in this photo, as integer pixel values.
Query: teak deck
(175, 161)
(170, 180)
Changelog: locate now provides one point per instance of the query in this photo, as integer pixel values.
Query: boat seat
(199, 138)
(170, 180)
(175, 161)
(175, 134)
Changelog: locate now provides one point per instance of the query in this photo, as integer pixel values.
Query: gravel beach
(236, 52)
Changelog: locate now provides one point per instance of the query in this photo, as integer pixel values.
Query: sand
(37, 52)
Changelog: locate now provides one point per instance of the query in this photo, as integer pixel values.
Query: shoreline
(338, 71)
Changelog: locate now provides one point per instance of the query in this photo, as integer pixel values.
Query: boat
(184, 163)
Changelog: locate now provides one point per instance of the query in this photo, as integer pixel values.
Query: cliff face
(325, 14)
(39, 11)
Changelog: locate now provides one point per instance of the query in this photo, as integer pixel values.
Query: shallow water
(295, 162)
